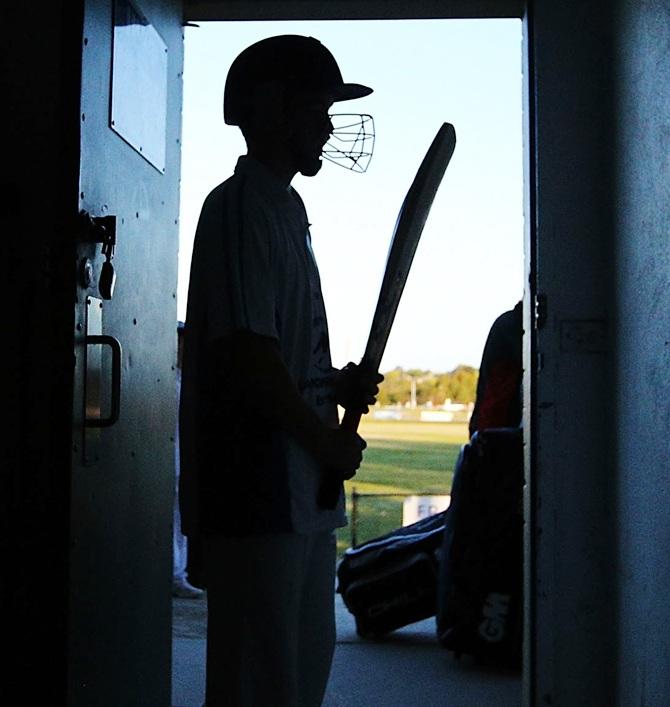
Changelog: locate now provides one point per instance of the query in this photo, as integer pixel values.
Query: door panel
(123, 474)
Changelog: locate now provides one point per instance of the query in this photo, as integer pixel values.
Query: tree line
(400, 386)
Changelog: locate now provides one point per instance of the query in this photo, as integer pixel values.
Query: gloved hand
(356, 388)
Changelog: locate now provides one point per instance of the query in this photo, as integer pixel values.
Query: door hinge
(539, 311)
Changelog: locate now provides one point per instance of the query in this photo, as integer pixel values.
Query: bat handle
(350, 421)
(329, 492)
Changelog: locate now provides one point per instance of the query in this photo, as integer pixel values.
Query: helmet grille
(352, 141)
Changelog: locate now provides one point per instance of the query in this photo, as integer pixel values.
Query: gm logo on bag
(495, 612)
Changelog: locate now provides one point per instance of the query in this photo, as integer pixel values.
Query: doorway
(472, 248)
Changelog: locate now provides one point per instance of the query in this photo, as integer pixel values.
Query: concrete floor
(407, 669)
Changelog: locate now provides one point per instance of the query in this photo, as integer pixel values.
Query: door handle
(115, 346)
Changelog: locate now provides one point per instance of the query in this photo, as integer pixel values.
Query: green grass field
(402, 458)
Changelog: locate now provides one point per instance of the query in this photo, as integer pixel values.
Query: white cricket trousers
(271, 619)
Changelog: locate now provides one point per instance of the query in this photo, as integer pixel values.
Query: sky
(468, 267)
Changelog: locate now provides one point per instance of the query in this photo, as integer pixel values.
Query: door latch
(101, 229)
(107, 274)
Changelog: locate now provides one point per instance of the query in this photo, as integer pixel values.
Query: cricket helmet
(300, 63)
(303, 65)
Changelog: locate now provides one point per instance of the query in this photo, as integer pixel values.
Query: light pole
(412, 391)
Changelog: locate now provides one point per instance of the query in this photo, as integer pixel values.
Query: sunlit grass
(403, 458)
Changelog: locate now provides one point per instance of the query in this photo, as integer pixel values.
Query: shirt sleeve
(236, 263)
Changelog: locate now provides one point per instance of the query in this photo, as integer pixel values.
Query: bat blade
(408, 229)
(406, 234)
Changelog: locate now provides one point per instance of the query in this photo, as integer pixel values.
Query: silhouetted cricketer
(258, 420)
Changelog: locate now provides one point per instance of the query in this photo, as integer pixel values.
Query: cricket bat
(407, 232)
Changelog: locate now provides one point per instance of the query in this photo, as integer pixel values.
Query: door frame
(248, 10)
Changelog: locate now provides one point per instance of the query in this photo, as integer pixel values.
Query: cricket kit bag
(481, 563)
(391, 581)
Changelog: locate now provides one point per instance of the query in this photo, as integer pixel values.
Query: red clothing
(498, 402)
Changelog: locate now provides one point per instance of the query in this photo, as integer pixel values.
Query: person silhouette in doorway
(259, 421)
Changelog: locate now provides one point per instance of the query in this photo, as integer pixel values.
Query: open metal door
(119, 636)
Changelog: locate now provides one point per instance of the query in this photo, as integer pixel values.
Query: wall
(40, 88)
(571, 500)
(643, 349)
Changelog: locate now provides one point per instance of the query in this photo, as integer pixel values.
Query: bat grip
(350, 421)
(329, 492)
